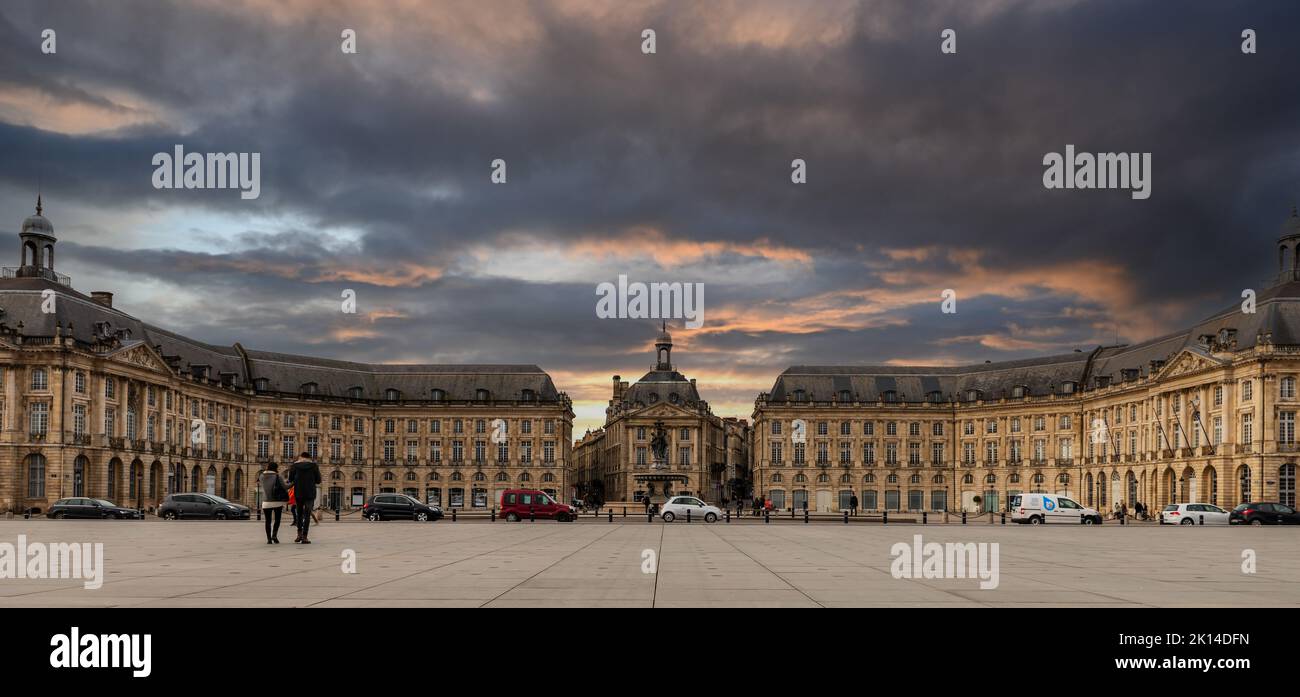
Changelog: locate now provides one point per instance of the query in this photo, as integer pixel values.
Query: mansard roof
(92, 323)
(1276, 320)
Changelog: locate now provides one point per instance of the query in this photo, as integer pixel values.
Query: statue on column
(659, 445)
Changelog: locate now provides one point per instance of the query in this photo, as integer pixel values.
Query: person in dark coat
(304, 475)
(853, 503)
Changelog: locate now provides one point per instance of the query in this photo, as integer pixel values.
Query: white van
(1037, 509)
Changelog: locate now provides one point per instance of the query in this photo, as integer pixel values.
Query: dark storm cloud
(906, 149)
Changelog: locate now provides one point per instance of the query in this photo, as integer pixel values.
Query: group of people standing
(297, 490)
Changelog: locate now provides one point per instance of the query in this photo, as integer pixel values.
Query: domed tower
(1288, 247)
(664, 350)
(37, 254)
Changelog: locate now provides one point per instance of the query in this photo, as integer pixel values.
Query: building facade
(702, 452)
(1206, 414)
(96, 403)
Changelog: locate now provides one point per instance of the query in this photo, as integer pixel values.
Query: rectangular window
(1286, 428)
(40, 420)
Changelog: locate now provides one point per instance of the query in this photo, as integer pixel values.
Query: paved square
(595, 563)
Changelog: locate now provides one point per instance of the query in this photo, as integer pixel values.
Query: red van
(518, 504)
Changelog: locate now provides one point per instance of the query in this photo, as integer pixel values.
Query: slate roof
(1277, 314)
(20, 301)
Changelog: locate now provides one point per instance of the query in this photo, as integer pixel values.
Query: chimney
(102, 297)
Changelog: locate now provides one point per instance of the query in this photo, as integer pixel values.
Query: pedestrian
(853, 503)
(275, 495)
(304, 474)
(767, 504)
(645, 499)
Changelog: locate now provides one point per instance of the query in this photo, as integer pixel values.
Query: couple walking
(303, 478)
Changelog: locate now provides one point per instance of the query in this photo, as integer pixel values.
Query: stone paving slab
(597, 564)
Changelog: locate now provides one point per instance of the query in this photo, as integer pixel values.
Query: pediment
(141, 355)
(664, 410)
(1189, 361)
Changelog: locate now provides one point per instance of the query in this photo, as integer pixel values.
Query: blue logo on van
(1048, 504)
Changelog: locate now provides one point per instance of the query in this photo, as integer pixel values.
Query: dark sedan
(398, 507)
(99, 509)
(1263, 513)
(197, 505)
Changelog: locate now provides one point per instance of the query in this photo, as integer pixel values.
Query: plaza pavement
(596, 563)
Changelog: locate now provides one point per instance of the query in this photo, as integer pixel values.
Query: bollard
(259, 512)
(884, 519)
(611, 515)
(727, 514)
(990, 517)
(963, 517)
(688, 515)
(649, 517)
(494, 514)
(625, 511)
(532, 515)
(925, 518)
(27, 514)
(453, 515)
(767, 518)
(1121, 520)
(846, 517)
(1004, 517)
(1202, 519)
(336, 514)
(805, 516)
(792, 514)
(1080, 519)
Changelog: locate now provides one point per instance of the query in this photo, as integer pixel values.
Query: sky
(924, 172)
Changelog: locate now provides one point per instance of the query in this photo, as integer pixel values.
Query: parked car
(678, 506)
(399, 507)
(1264, 513)
(1193, 514)
(517, 504)
(196, 505)
(80, 507)
(1038, 509)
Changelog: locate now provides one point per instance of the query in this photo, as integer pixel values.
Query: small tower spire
(38, 205)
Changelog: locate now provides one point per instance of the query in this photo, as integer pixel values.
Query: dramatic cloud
(924, 173)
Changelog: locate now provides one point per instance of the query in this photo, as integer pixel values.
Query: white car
(678, 506)
(1193, 514)
(1037, 509)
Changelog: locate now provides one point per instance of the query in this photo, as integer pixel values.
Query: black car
(80, 507)
(1263, 513)
(398, 507)
(196, 505)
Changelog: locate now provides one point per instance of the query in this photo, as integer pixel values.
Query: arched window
(846, 479)
(438, 394)
(823, 478)
(336, 475)
(503, 477)
(968, 479)
(434, 476)
(548, 477)
(991, 479)
(914, 479)
(1013, 479)
(457, 476)
(390, 477)
(411, 476)
(36, 476)
(480, 477)
(777, 478)
(358, 476)
(524, 477)
(801, 478)
(938, 479)
(891, 479)
(482, 395)
(869, 479)
(392, 395)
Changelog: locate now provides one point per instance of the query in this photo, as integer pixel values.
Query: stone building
(97, 403)
(703, 451)
(1206, 414)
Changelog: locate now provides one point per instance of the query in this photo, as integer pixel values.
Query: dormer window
(308, 388)
(973, 395)
(392, 395)
(799, 395)
(846, 396)
(654, 397)
(262, 385)
(482, 395)
(438, 394)
(935, 397)
(1067, 387)
(354, 392)
(1018, 392)
(890, 396)
(528, 395)
(674, 398)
